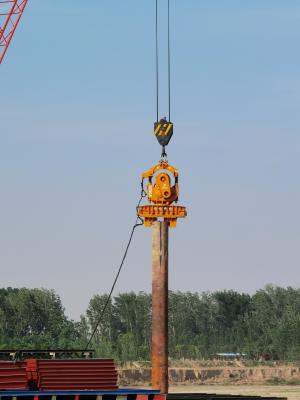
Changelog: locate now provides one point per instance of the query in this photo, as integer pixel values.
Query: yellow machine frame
(161, 195)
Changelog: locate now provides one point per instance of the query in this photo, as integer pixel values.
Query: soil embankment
(136, 374)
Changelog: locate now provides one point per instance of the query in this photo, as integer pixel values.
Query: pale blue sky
(76, 117)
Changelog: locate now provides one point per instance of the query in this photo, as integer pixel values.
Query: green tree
(34, 318)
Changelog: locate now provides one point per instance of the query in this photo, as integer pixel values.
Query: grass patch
(280, 381)
(293, 381)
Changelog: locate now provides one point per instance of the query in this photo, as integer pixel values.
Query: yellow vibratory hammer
(163, 187)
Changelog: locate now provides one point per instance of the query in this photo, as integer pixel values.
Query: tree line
(265, 324)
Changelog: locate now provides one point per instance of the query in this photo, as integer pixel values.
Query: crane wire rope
(169, 63)
(163, 154)
(157, 59)
(138, 222)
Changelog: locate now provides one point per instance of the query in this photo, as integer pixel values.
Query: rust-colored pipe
(160, 242)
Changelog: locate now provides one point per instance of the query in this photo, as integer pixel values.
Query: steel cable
(156, 58)
(138, 222)
(169, 62)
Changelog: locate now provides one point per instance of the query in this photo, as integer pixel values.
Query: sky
(77, 109)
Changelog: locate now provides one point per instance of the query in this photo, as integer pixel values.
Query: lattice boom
(10, 14)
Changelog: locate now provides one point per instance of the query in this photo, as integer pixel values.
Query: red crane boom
(10, 14)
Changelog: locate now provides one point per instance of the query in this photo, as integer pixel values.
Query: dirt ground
(292, 392)
(207, 376)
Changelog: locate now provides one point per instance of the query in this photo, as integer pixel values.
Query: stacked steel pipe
(12, 375)
(70, 374)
